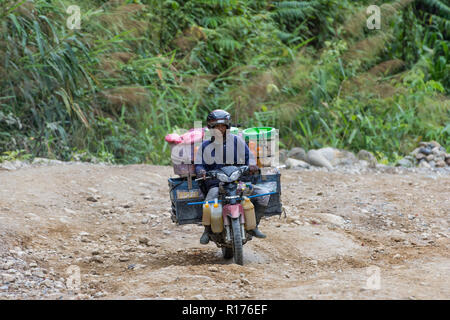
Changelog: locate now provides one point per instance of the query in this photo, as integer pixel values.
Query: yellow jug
(216, 217)
(206, 218)
(249, 213)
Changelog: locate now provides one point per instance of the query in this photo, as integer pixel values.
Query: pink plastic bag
(190, 137)
(193, 136)
(173, 138)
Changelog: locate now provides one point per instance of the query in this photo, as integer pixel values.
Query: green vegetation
(137, 70)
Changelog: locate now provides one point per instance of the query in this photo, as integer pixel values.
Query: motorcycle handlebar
(205, 178)
(211, 174)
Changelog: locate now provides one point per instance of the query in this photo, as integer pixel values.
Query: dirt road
(345, 236)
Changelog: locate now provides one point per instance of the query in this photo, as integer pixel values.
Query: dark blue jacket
(241, 156)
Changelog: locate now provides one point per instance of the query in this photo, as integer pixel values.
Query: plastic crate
(180, 196)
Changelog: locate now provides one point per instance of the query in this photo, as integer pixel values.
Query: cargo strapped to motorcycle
(181, 193)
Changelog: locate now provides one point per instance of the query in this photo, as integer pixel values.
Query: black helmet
(218, 116)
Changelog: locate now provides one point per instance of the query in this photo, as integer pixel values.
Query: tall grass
(140, 69)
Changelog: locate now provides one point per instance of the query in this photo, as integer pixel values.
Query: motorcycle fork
(227, 223)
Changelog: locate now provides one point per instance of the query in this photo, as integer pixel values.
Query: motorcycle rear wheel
(236, 238)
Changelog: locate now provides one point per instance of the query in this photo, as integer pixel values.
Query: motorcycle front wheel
(236, 238)
(227, 253)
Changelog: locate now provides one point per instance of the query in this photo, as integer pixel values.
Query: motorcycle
(228, 220)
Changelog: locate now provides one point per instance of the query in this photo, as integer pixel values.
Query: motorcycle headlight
(222, 177)
(235, 175)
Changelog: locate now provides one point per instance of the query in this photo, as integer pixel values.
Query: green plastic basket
(258, 133)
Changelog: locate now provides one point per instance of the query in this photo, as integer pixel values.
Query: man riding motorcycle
(218, 154)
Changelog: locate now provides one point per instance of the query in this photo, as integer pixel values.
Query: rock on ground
(367, 156)
(315, 158)
(297, 154)
(293, 163)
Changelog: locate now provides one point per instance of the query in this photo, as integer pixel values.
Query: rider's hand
(202, 174)
(253, 169)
